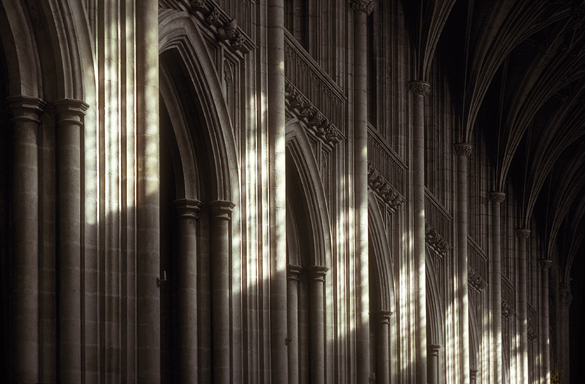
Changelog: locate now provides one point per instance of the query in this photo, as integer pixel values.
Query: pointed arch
(380, 259)
(180, 39)
(299, 150)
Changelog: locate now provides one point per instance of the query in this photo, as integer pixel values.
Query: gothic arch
(299, 151)
(380, 259)
(181, 42)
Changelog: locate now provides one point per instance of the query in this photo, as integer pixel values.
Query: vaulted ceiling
(517, 72)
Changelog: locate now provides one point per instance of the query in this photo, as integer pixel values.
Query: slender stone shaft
(277, 191)
(293, 323)
(317, 320)
(360, 99)
(25, 279)
(419, 89)
(383, 348)
(497, 198)
(220, 217)
(147, 192)
(187, 211)
(463, 151)
(69, 130)
(565, 305)
(473, 376)
(434, 364)
(545, 264)
(523, 235)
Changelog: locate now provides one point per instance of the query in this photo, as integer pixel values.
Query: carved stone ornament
(531, 334)
(435, 240)
(545, 263)
(497, 197)
(420, 87)
(300, 107)
(507, 310)
(463, 149)
(366, 6)
(384, 189)
(475, 280)
(565, 293)
(523, 233)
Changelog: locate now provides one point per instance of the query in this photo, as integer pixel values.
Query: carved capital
(365, 6)
(545, 263)
(497, 196)
(384, 317)
(420, 87)
(294, 272)
(531, 334)
(523, 233)
(187, 208)
(434, 349)
(507, 310)
(221, 209)
(317, 272)
(565, 294)
(26, 108)
(463, 149)
(70, 112)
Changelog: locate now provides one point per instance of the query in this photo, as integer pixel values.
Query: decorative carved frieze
(497, 196)
(435, 240)
(383, 188)
(298, 105)
(507, 310)
(475, 280)
(531, 334)
(366, 6)
(463, 149)
(225, 28)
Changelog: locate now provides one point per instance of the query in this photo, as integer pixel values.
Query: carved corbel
(507, 310)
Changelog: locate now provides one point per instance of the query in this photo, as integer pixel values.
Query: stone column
(383, 348)
(434, 364)
(316, 275)
(523, 235)
(69, 130)
(361, 8)
(545, 264)
(497, 198)
(463, 151)
(419, 89)
(187, 215)
(277, 190)
(565, 300)
(294, 272)
(473, 376)
(25, 196)
(147, 193)
(220, 217)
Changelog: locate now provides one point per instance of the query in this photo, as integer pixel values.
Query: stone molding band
(463, 149)
(420, 87)
(365, 6)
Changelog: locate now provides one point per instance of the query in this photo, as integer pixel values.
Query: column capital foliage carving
(187, 208)
(523, 233)
(365, 6)
(420, 87)
(497, 196)
(463, 149)
(545, 263)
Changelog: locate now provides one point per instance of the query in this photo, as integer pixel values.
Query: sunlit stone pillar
(497, 198)
(147, 192)
(294, 272)
(523, 235)
(220, 217)
(419, 89)
(565, 300)
(69, 130)
(383, 348)
(277, 191)
(316, 276)
(463, 151)
(545, 264)
(25, 196)
(361, 8)
(434, 364)
(187, 215)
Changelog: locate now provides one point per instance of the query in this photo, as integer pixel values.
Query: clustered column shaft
(220, 216)
(317, 320)
(187, 212)
(361, 8)
(497, 198)
(463, 151)
(419, 89)
(523, 235)
(294, 272)
(25, 195)
(434, 364)
(383, 348)
(545, 264)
